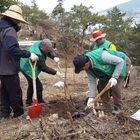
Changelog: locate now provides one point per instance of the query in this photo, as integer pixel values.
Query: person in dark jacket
(42, 49)
(10, 54)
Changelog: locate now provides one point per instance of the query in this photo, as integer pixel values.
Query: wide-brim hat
(97, 35)
(14, 12)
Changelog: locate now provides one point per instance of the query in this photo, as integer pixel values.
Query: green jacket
(99, 64)
(24, 63)
(105, 44)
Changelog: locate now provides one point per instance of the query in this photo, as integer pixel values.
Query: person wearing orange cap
(10, 54)
(101, 42)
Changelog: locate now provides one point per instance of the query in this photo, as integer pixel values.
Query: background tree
(118, 29)
(135, 44)
(58, 9)
(63, 27)
(46, 28)
(82, 20)
(73, 29)
(58, 14)
(32, 13)
(5, 4)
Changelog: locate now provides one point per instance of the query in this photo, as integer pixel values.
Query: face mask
(19, 25)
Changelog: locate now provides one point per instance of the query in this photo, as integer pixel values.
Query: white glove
(113, 81)
(89, 104)
(33, 57)
(56, 59)
(60, 75)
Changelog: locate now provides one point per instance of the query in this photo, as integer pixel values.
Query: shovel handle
(33, 78)
(127, 76)
(58, 66)
(100, 94)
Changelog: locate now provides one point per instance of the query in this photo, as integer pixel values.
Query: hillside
(131, 8)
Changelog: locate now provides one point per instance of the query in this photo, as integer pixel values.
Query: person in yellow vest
(98, 37)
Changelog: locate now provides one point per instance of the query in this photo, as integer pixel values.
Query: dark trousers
(39, 89)
(0, 98)
(116, 93)
(11, 96)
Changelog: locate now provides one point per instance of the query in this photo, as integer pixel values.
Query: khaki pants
(116, 93)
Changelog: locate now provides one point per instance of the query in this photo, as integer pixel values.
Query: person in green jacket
(98, 37)
(43, 49)
(100, 41)
(108, 66)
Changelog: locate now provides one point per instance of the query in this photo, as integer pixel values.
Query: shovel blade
(34, 110)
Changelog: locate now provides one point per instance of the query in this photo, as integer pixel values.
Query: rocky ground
(56, 123)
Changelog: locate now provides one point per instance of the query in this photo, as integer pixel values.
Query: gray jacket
(109, 59)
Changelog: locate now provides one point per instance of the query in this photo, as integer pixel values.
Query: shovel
(83, 111)
(35, 109)
(58, 66)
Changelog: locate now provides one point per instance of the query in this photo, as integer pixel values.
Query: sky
(98, 5)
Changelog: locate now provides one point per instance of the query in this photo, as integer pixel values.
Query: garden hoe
(83, 111)
(35, 109)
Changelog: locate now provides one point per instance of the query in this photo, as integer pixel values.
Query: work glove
(56, 59)
(33, 57)
(60, 75)
(89, 102)
(113, 81)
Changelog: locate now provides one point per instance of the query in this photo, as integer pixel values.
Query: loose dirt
(55, 121)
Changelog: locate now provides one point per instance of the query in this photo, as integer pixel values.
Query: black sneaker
(4, 118)
(23, 116)
(42, 101)
(28, 103)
